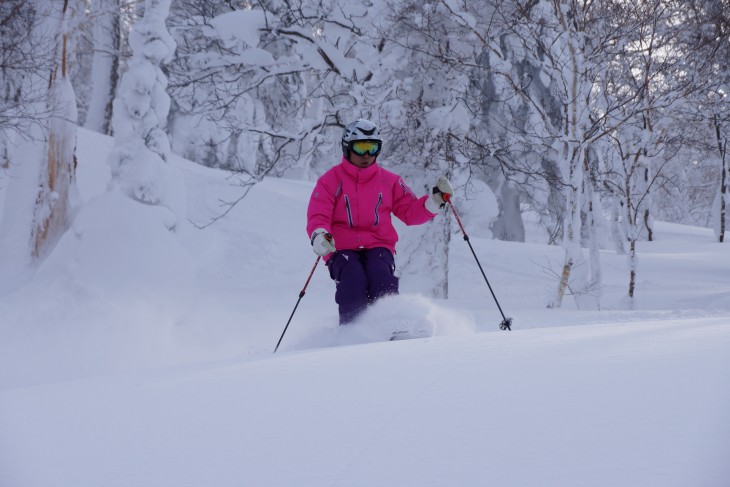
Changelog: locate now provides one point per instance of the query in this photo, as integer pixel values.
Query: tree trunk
(571, 238)
(57, 188)
(443, 241)
(632, 271)
(508, 225)
(563, 284)
(594, 289)
(632, 224)
(723, 192)
(722, 148)
(572, 135)
(442, 291)
(105, 65)
(617, 225)
(648, 221)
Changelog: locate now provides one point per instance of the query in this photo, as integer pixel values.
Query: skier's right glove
(322, 242)
(442, 192)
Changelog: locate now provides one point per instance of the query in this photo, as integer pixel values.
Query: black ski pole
(301, 295)
(506, 322)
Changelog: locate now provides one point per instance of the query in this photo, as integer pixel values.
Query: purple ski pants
(361, 277)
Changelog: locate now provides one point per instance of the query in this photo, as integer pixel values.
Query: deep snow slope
(638, 404)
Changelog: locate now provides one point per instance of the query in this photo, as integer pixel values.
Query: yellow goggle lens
(362, 147)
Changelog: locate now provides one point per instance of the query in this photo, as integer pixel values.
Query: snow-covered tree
(419, 95)
(210, 112)
(708, 38)
(258, 88)
(141, 146)
(509, 91)
(658, 75)
(544, 60)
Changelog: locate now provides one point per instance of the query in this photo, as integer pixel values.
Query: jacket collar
(359, 173)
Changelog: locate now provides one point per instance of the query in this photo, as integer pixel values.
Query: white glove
(442, 192)
(322, 242)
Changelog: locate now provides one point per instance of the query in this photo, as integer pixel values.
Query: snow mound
(399, 316)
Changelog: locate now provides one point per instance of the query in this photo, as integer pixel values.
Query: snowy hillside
(137, 356)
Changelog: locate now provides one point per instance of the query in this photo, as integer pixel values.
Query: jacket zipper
(377, 206)
(349, 212)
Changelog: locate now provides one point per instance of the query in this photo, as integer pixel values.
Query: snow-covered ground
(140, 357)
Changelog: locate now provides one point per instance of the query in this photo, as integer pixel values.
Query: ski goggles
(363, 147)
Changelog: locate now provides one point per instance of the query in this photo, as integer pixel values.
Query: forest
(593, 119)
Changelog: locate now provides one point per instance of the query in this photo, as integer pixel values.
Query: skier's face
(361, 161)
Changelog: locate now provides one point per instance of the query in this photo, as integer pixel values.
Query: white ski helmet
(359, 130)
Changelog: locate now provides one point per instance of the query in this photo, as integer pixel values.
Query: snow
(460, 16)
(140, 353)
(257, 57)
(243, 25)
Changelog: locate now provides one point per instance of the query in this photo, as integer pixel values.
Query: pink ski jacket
(355, 204)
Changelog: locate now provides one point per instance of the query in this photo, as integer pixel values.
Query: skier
(349, 219)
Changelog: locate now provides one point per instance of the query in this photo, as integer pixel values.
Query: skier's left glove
(322, 242)
(442, 192)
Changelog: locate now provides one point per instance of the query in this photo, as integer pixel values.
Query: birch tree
(38, 191)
